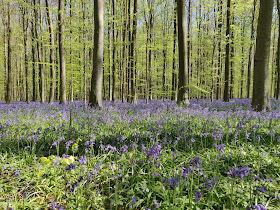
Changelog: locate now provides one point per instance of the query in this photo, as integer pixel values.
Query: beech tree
(260, 100)
(182, 42)
(62, 95)
(95, 98)
(227, 63)
(9, 56)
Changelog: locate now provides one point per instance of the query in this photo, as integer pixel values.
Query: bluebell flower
(83, 160)
(262, 190)
(17, 172)
(198, 196)
(239, 172)
(156, 204)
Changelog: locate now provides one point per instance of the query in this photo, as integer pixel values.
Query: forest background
(32, 29)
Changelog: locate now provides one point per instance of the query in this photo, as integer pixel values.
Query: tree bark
(125, 23)
(278, 55)
(34, 89)
(9, 55)
(133, 98)
(109, 55)
(220, 66)
(174, 65)
(84, 54)
(52, 51)
(260, 100)
(62, 95)
(183, 70)
(25, 28)
(232, 60)
(114, 52)
(242, 59)
(150, 5)
(189, 47)
(250, 51)
(95, 98)
(41, 71)
(227, 62)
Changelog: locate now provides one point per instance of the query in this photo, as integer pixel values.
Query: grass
(205, 156)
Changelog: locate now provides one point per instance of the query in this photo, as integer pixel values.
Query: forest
(140, 104)
(140, 49)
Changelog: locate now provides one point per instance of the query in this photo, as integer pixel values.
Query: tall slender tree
(250, 50)
(39, 53)
(62, 95)
(52, 51)
(227, 63)
(278, 55)
(182, 42)
(220, 65)
(174, 65)
(9, 55)
(260, 100)
(114, 51)
(95, 98)
(148, 23)
(25, 28)
(133, 98)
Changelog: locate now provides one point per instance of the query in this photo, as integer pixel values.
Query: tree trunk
(71, 56)
(189, 43)
(95, 98)
(62, 95)
(125, 23)
(150, 5)
(232, 60)
(227, 63)
(9, 55)
(250, 51)
(278, 55)
(114, 52)
(41, 71)
(242, 59)
(133, 55)
(34, 89)
(174, 65)
(84, 54)
(260, 100)
(52, 51)
(183, 70)
(25, 28)
(220, 66)
(109, 55)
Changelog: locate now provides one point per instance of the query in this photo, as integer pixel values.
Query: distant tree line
(132, 49)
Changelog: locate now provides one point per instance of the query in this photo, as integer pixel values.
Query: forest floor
(158, 156)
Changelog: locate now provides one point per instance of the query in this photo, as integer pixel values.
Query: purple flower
(239, 172)
(17, 172)
(156, 204)
(210, 184)
(83, 160)
(269, 180)
(185, 172)
(154, 174)
(258, 207)
(198, 196)
(171, 182)
(133, 201)
(262, 190)
(54, 206)
(68, 144)
(132, 161)
(70, 167)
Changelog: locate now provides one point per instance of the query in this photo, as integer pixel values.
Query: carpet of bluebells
(208, 155)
